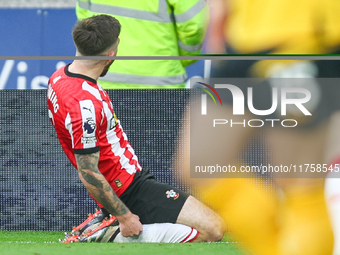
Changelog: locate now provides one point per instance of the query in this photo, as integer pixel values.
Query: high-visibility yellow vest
(151, 28)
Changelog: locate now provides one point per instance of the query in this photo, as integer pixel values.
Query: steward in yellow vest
(166, 28)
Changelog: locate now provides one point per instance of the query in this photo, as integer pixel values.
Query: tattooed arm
(100, 189)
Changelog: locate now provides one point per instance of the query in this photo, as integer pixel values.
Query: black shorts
(152, 201)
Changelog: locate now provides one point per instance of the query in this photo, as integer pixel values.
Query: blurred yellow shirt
(288, 26)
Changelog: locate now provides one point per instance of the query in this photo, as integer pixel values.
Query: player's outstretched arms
(100, 189)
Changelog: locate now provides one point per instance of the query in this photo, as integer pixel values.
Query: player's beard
(106, 69)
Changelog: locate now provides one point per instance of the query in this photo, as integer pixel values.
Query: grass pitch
(46, 243)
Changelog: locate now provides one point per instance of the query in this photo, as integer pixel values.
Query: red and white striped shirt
(83, 117)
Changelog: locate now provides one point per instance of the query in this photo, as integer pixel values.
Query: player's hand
(130, 225)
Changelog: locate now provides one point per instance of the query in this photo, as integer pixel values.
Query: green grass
(46, 243)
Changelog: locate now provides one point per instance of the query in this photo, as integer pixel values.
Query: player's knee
(215, 236)
(218, 233)
(212, 235)
(215, 232)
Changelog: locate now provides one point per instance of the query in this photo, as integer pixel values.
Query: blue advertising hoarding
(40, 32)
(33, 32)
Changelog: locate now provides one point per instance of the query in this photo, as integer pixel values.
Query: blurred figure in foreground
(293, 217)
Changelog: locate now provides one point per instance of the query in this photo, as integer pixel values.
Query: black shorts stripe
(86, 151)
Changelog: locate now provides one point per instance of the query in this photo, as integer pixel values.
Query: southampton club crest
(172, 194)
